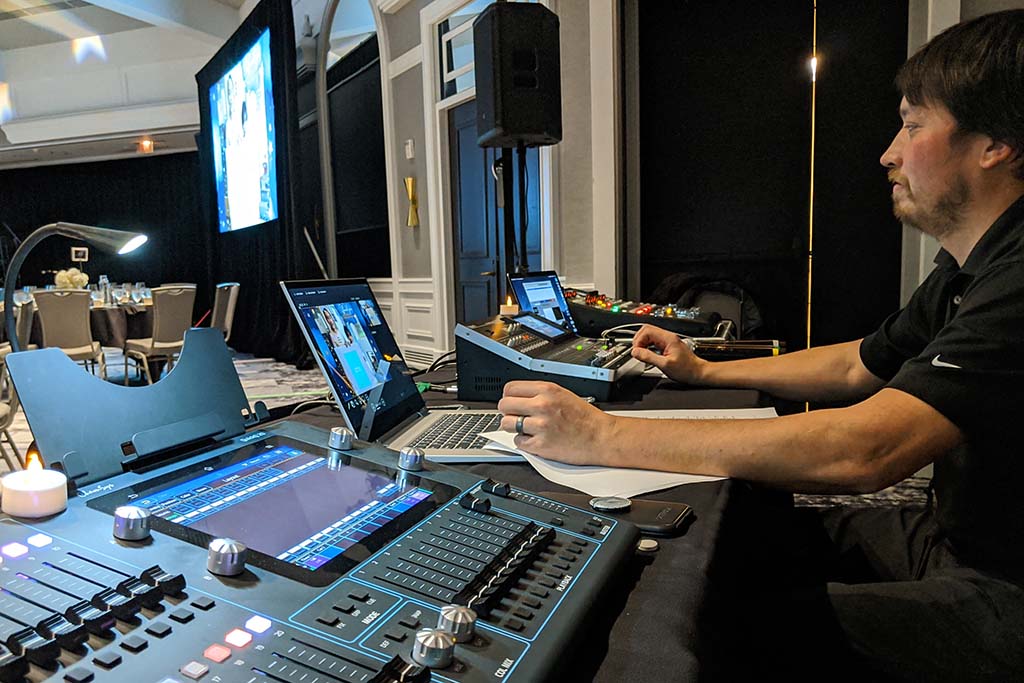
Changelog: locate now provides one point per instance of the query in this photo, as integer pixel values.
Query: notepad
(596, 480)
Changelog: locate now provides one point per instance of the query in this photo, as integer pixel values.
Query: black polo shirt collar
(1000, 237)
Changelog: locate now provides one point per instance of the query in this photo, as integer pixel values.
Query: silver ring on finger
(519, 424)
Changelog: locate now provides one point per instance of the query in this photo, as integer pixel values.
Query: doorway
(478, 217)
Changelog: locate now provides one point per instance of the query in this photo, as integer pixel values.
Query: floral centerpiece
(71, 278)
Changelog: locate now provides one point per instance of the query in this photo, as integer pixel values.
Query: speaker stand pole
(524, 261)
(507, 206)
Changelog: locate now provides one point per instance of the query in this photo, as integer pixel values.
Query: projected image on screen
(243, 141)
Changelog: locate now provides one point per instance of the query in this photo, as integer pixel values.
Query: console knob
(458, 620)
(226, 557)
(433, 648)
(131, 523)
(410, 459)
(341, 438)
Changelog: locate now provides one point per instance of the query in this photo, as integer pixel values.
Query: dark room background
(723, 137)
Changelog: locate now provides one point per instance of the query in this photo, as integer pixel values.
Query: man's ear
(997, 152)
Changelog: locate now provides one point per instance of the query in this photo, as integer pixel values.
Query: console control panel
(356, 572)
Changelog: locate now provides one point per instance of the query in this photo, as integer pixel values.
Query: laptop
(541, 293)
(371, 383)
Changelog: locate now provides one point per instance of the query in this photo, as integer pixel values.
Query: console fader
(353, 565)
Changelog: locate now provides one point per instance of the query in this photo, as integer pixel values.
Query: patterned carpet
(279, 384)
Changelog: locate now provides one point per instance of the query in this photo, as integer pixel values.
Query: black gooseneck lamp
(115, 241)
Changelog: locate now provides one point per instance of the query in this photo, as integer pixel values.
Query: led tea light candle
(34, 491)
(509, 308)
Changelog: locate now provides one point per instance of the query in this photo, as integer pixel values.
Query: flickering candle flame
(509, 308)
(35, 491)
(33, 461)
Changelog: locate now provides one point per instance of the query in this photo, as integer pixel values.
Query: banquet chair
(8, 409)
(24, 316)
(64, 319)
(172, 316)
(224, 301)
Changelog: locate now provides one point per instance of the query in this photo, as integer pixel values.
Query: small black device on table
(531, 347)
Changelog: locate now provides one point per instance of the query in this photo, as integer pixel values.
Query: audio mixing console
(77, 604)
(268, 556)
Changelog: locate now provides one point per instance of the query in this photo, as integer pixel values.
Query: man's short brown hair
(975, 70)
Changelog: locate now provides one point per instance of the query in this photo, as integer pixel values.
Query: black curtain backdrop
(259, 257)
(724, 146)
(360, 181)
(857, 241)
(156, 195)
(725, 111)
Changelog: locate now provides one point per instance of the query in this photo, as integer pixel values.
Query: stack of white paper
(624, 482)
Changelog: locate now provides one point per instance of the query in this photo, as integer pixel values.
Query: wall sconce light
(410, 190)
(146, 146)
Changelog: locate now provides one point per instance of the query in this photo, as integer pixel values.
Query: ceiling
(64, 99)
(25, 23)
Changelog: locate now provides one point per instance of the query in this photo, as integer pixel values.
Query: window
(455, 36)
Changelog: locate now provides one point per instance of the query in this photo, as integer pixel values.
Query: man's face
(927, 165)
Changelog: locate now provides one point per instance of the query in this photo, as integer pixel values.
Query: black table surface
(650, 625)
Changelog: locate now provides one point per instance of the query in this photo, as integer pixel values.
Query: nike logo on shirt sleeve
(943, 364)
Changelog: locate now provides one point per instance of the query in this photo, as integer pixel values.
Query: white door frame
(435, 123)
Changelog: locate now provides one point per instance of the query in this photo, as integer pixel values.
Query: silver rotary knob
(131, 523)
(226, 557)
(433, 648)
(458, 620)
(341, 438)
(410, 459)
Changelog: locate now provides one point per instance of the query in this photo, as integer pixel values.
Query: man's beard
(938, 220)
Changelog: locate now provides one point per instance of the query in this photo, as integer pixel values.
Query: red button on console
(217, 653)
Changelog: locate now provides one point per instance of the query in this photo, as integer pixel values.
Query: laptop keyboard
(457, 431)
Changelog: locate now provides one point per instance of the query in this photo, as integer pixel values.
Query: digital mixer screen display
(303, 514)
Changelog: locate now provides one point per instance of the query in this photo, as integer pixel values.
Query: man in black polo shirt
(934, 594)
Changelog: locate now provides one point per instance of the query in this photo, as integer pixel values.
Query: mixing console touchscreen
(270, 558)
(307, 516)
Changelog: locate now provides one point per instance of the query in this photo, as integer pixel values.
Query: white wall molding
(103, 123)
(404, 62)
(395, 222)
(606, 140)
(391, 6)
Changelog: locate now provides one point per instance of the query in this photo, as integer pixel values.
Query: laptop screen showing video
(356, 352)
(541, 294)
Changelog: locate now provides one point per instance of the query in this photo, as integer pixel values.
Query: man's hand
(556, 423)
(676, 359)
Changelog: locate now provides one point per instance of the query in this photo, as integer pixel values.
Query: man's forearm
(848, 450)
(826, 373)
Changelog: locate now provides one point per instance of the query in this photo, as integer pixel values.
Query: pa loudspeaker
(518, 75)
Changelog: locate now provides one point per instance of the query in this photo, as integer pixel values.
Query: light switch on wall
(410, 149)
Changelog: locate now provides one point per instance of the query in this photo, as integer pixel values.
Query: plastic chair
(8, 409)
(172, 316)
(64, 318)
(24, 316)
(224, 301)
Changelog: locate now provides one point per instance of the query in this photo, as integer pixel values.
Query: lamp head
(114, 241)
